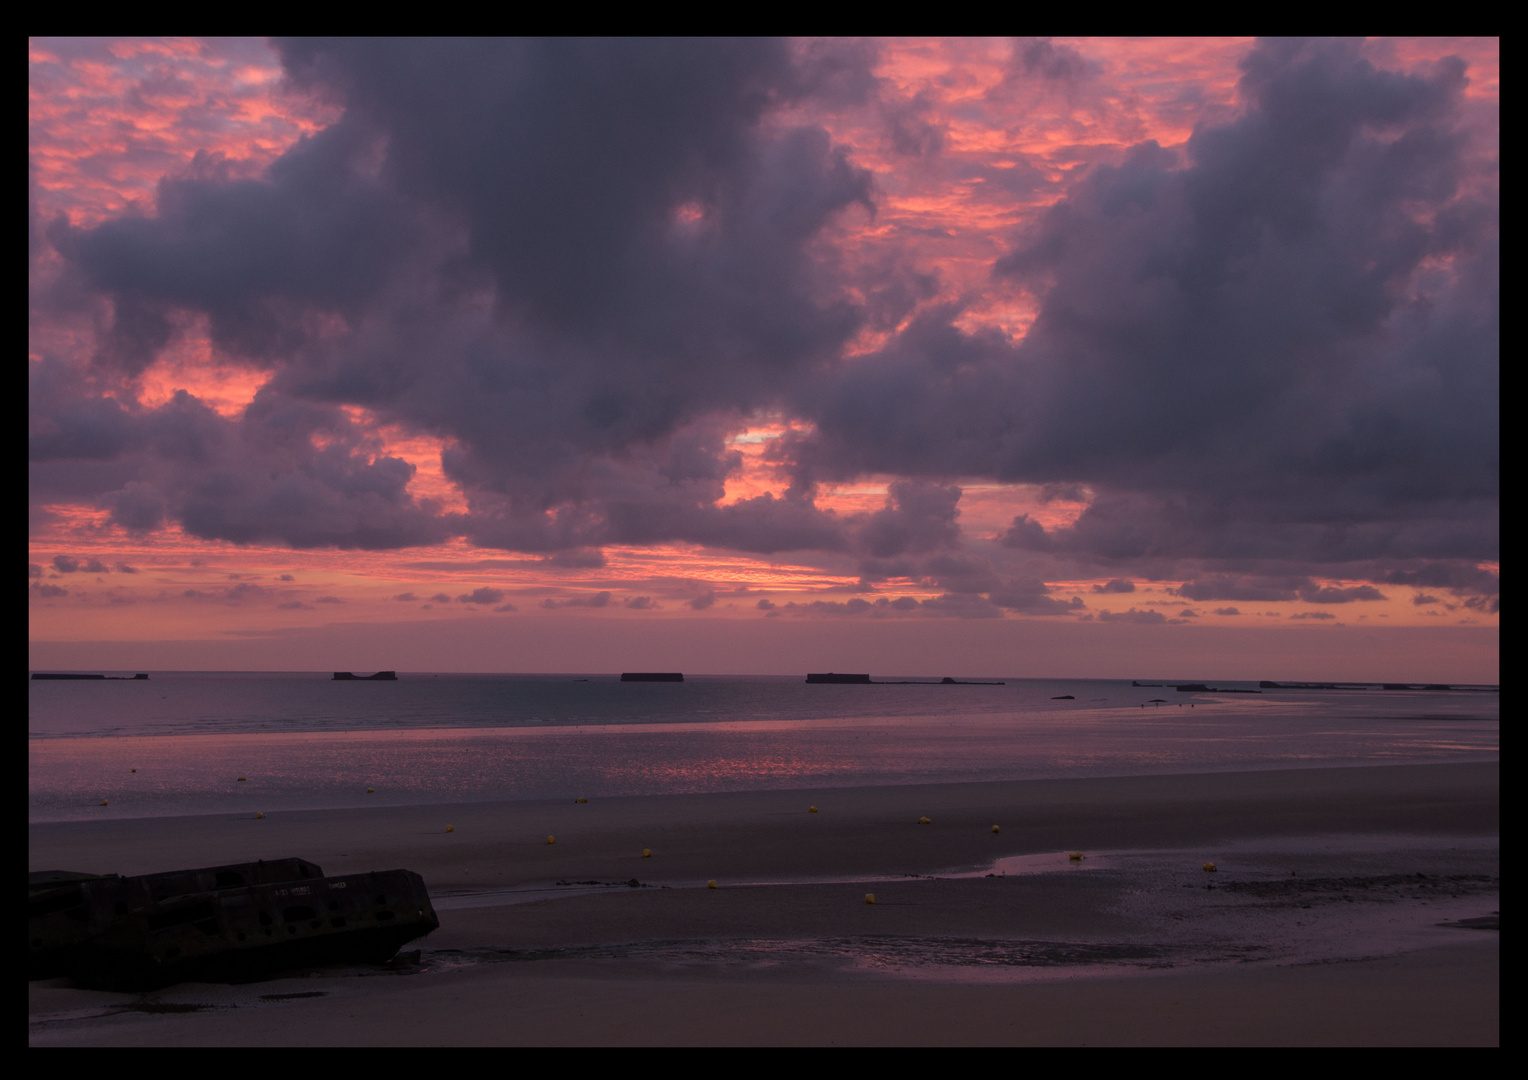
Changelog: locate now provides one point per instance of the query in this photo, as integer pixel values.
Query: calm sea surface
(303, 741)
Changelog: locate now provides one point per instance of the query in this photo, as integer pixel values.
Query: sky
(1030, 357)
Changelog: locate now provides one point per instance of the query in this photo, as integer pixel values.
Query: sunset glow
(1123, 334)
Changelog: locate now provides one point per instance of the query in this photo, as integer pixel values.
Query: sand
(1320, 926)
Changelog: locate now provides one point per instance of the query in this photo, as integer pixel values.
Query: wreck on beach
(230, 923)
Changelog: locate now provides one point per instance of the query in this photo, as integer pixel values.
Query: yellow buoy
(1075, 856)
(811, 809)
(241, 779)
(711, 884)
(924, 821)
(103, 802)
(1209, 868)
(450, 828)
(580, 800)
(870, 898)
(259, 817)
(647, 853)
(371, 791)
(551, 839)
(996, 829)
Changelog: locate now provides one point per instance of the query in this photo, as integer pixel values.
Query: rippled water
(303, 741)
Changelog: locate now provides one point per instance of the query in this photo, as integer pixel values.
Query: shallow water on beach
(1282, 900)
(178, 743)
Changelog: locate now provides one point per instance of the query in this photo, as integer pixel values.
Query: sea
(190, 743)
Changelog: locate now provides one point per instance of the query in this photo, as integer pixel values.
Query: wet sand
(1319, 926)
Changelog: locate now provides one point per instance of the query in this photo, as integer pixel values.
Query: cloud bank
(1264, 356)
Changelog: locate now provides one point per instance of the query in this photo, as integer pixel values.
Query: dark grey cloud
(484, 595)
(974, 586)
(1255, 588)
(241, 593)
(68, 564)
(1040, 58)
(1144, 618)
(853, 606)
(1233, 587)
(572, 169)
(962, 606)
(1031, 596)
(885, 607)
(1027, 534)
(955, 573)
(578, 559)
(1267, 357)
(316, 234)
(1246, 350)
(1333, 595)
(1130, 526)
(67, 425)
(918, 517)
(287, 470)
(1458, 579)
(569, 257)
(1117, 585)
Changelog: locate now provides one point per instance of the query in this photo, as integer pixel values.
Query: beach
(1327, 919)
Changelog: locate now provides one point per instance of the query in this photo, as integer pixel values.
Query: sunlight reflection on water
(198, 773)
(1018, 735)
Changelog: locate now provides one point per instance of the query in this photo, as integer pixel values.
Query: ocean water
(302, 741)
